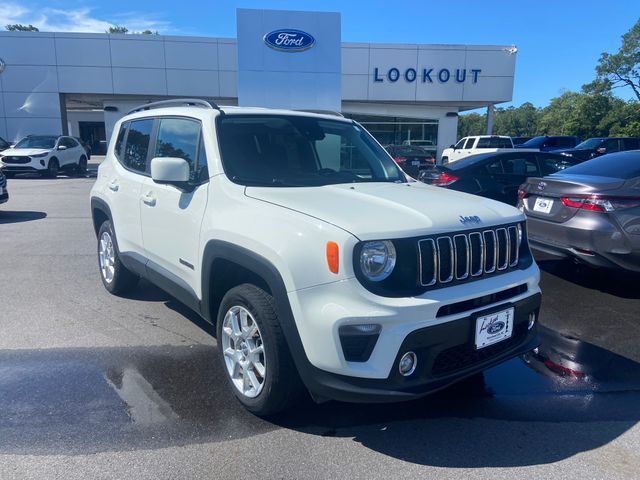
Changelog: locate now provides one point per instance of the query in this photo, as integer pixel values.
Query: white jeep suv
(322, 267)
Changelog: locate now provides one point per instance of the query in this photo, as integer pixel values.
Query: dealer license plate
(543, 205)
(494, 328)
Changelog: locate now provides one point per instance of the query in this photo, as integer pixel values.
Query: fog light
(532, 320)
(42, 162)
(408, 364)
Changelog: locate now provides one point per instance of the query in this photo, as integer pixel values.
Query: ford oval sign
(289, 40)
(495, 327)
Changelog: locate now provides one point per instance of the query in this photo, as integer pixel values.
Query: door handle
(113, 186)
(149, 199)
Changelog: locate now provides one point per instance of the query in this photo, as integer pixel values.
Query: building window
(400, 130)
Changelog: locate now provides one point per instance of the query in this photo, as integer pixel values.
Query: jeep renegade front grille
(448, 258)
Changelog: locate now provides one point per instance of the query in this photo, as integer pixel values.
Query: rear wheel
(81, 168)
(115, 276)
(52, 168)
(254, 353)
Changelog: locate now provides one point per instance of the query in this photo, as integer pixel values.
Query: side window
(552, 164)
(119, 146)
(179, 137)
(494, 167)
(470, 142)
(520, 166)
(137, 147)
(612, 145)
(552, 142)
(460, 144)
(630, 144)
(567, 142)
(70, 142)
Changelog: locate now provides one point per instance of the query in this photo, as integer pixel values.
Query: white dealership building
(80, 84)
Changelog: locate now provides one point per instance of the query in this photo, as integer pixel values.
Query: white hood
(389, 210)
(25, 152)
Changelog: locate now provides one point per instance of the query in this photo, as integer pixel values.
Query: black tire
(81, 167)
(282, 385)
(122, 280)
(52, 168)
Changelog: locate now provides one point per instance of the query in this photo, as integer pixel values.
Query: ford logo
(289, 40)
(495, 327)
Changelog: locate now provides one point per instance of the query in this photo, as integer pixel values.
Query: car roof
(480, 157)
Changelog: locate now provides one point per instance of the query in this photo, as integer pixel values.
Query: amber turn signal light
(333, 258)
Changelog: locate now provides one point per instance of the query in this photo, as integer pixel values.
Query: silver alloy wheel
(107, 256)
(243, 351)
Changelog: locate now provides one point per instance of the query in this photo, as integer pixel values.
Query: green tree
(17, 27)
(471, 124)
(117, 29)
(622, 69)
(516, 121)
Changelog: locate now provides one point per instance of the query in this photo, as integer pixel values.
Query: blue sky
(558, 42)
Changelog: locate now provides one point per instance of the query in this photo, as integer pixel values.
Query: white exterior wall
(128, 70)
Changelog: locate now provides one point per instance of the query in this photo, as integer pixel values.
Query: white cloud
(78, 20)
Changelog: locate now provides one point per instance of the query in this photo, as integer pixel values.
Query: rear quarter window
(136, 149)
(119, 146)
(623, 165)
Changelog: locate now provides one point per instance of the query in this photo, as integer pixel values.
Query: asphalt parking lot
(96, 386)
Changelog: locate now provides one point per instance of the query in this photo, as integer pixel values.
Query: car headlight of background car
(39, 155)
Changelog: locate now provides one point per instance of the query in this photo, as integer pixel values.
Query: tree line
(594, 111)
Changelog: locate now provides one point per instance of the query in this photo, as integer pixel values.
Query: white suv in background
(474, 145)
(321, 266)
(44, 154)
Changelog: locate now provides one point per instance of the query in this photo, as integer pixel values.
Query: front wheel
(53, 168)
(115, 276)
(254, 353)
(81, 167)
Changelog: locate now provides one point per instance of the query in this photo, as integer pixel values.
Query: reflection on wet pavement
(79, 400)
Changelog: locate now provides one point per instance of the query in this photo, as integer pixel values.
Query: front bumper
(446, 354)
(433, 322)
(32, 167)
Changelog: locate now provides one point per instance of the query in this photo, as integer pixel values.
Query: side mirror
(601, 150)
(452, 146)
(62, 147)
(170, 171)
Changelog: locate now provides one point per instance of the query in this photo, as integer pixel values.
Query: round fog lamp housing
(377, 260)
(407, 364)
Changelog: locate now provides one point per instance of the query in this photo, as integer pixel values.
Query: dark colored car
(547, 143)
(495, 175)
(589, 212)
(412, 159)
(3, 144)
(594, 147)
(4, 194)
(86, 145)
(519, 140)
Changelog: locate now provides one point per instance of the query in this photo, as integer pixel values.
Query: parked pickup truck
(474, 145)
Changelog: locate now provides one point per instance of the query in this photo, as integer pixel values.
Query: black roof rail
(323, 112)
(177, 102)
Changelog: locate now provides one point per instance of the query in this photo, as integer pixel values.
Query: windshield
(535, 142)
(37, 142)
(298, 151)
(590, 143)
